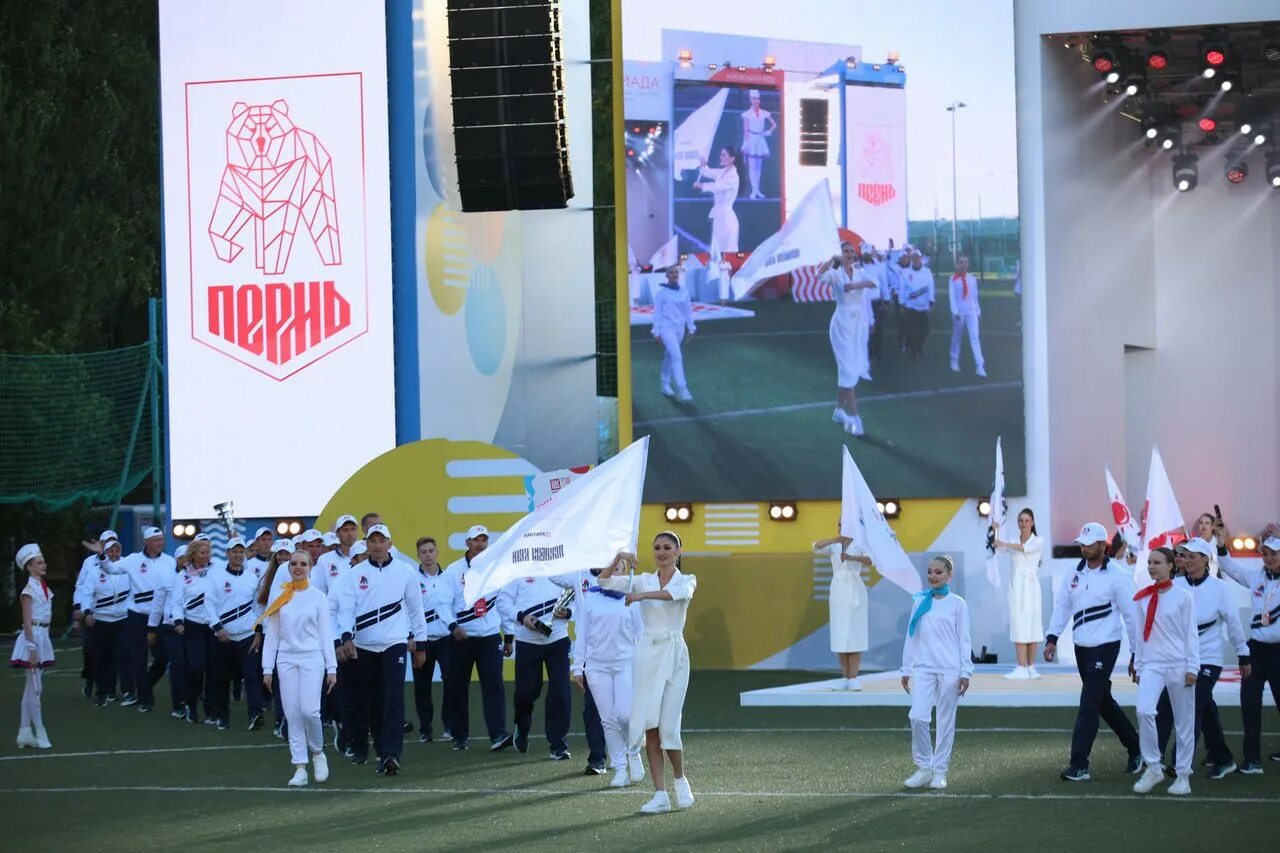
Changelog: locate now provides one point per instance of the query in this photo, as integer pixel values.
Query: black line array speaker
(505, 72)
(813, 131)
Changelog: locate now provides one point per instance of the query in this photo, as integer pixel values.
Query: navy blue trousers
(531, 660)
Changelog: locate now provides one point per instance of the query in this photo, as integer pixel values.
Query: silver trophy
(226, 512)
(561, 603)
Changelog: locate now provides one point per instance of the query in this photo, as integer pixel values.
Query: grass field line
(1000, 333)
(560, 792)
(801, 407)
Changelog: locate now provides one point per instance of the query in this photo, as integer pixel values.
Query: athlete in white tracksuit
(673, 325)
(965, 311)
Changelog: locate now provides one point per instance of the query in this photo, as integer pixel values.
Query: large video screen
(822, 276)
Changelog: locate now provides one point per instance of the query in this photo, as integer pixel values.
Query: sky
(952, 50)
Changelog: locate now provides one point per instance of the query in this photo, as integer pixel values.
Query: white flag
(587, 524)
(1161, 517)
(871, 534)
(543, 487)
(998, 507)
(691, 143)
(666, 256)
(808, 237)
(1126, 524)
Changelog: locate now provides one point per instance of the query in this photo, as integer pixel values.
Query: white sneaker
(684, 396)
(1151, 777)
(320, 766)
(1180, 787)
(982, 373)
(684, 794)
(1016, 674)
(855, 426)
(42, 738)
(299, 779)
(621, 778)
(26, 738)
(955, 367)
(855, 685)
(840, 684)
(838, 416)
(660, 804)
(938, 782)
(666, 390)
(635, 767)
(918, 779)
(1033, 673)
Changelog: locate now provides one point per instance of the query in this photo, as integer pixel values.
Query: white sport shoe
(854, 684)
(981, 372)
(839, 416)
(666, 390)
(42, 738)
(1151, 777)
(1180, 787)
(1015, 674)
(621, 778)
(635, 767)
(684, 396)
(299, 779)
(660, 804)
(26, 738)
(918, 779)
(684, 794)
(955, 367)
(1033, 673)
(320, 766)
(938, 782)
(854, 426)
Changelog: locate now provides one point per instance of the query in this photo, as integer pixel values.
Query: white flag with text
(871, 534)
(691, 143)
(808, 237)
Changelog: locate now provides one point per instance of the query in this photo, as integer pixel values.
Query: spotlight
(1273, 167)
(685, 58)
(1244, 544)
(850, 63)
(1170, 135)
(889, 507)
(1208, 125)
(1135, 83)
(770, 62)
(1157, 60)
(679, 513)
(1104, 60)
(1214, 53)
(984, 507)
(1271, 53)
(1186, 172)
(1113, 77)
(1260, 137)
(282, 528)
(184, 530)
(1208, 73)
(1245, 128)
(1236, 173)
(782, 510)
(289, 526)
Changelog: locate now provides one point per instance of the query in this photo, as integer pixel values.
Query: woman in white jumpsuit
(673, 325)
(848, 604)
(757, 126)
(849, 333)
(660, 667)
(1026, 604)
(723, 184)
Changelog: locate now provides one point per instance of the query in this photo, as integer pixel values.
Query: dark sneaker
(359, 758)
(278, 730)
(87, 688)
(145, 708)
(100, 702)
(425, 737)
(460, 745)
(522, 743)
(408, 727)
(1075, 774)
(224, 725)
(1223, 770)
(559, 755)
(500, 743)
(211, 721)
(348, 752)
(129, 699)
(593, 770)
(389, 765)
(1275, 756)
(447, 735)
(111, 697)
(1251, 768)
(178, 713)
(256, 722)
(1135, 765)
(192, 717)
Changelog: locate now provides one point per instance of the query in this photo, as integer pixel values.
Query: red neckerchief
(1151, 608)
(964, 284)
(44, 586)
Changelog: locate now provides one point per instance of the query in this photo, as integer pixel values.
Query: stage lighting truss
(889, 507)
(1186, 172)
(678, 513)
(1273, 167)
(185, 530)
(783, 511)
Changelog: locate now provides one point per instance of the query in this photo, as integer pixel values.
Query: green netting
(75, 427)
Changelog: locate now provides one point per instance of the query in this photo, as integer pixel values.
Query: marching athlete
(439, 589)
(723, 185)
(1097, 597)
(937, 660)
(85, 579)
(965, 312)
(161, 636)
(527, 605)
(259, 552)
(847, 603)
(231, 610)
(298, 644)
(672, 326)
(273, 580)
(1026, 605)
(916, 296)
(757, 126)
(32, 650)
(848, 332)
(187, 614)
(105, 609)
(660, 667)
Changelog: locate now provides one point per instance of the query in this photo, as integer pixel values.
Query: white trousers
(612, 691)
(931, 690)
(969, 322)
(1152, 681)
(300, 683)
(673, 360)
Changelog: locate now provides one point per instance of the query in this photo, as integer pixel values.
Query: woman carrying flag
(848, 607)
(848, 332)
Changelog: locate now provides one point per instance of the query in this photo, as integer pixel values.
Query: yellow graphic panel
(448, 257)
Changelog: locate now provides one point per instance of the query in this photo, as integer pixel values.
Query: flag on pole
(1161, 518)
(666, 256)
(998, 509)
(718, 273)
(691, 143)
(871, 534)
(1126, 524)
(586, 525)
(807, 237)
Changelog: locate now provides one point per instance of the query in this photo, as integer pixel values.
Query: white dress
(1026, 616)
(724, 222)
(755, 123)
(848, 603)
(41, 612)
(849, 327)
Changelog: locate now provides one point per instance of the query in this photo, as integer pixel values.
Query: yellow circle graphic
(448, 259)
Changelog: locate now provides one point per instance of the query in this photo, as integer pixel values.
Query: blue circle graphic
(486, 320)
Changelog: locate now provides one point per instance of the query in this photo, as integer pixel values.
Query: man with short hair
(917, 297)
(150, 570)
(231, 608)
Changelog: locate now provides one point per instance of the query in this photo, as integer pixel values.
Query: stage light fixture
(1135, 83)
(685, 58)
(1208, 73)
(289, 526)
(782, 510)
(1244, 544)
(984, 507)
(1170, 135)
(1271, 53)
(1186, 172)
(1260, 138)
(850, 63)
(1245, 128)
(185, 530)
(1273, 167)
(1104, 60)
(679, 513)
(770, 62)
(1236, 172)
(889, 507)
(1157, 60)
(1208, 125)
(1214, 53)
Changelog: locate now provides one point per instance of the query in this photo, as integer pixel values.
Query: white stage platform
(1059, 687)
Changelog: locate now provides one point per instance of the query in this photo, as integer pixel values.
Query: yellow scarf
(286, 595)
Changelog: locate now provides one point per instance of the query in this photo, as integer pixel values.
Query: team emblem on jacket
(187, 579)
(1075, 582)
(585, 585)
(482, 607)
(226, 587)
(364, 582)
(528, 580)
(333, 571)
(143, 569)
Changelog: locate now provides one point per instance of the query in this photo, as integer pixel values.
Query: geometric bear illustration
(276, 174)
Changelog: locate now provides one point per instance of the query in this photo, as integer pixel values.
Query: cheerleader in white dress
(33, 651)
(723, 184)
(660, 665)
(848, 604)
(1026, 607)
(848, 332)
(757, 126)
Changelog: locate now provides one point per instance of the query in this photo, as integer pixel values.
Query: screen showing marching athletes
(806, 268)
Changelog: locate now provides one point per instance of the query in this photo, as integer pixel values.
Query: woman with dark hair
(1026, 607)
(847, 603)
(757, 125)
(1203, 528)
(723, 185)
(848, 332)
(660, 666)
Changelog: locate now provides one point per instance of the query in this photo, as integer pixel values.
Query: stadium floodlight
(1186, 172)
(185, 530)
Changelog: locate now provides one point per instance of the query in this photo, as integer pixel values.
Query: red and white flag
(1162, 524)
(1126, 524)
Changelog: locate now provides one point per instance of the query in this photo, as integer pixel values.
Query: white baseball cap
(311, 535)
(202, 537)
(1091, 534)
(477, 530)
(108, 535)
(345, 519)
(180, 552)
(235, 542)
(26, 554)
(282, 545)
(152, 533)
(359, 548)
(378, 528)
(1198, 546)
(294, 542)
(330, 538)
(1271, 543)
(262, 530)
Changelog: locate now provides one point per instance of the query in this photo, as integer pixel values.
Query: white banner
(1126, 524)
(691, 143)
(998, 507)
(586, 525)
(666, 256)
(876, 164)
(1162, 522)
(277, 247)
(871, 534)
(808, 237)
(547, 485)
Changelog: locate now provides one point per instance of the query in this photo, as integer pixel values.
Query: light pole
(953, 108)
